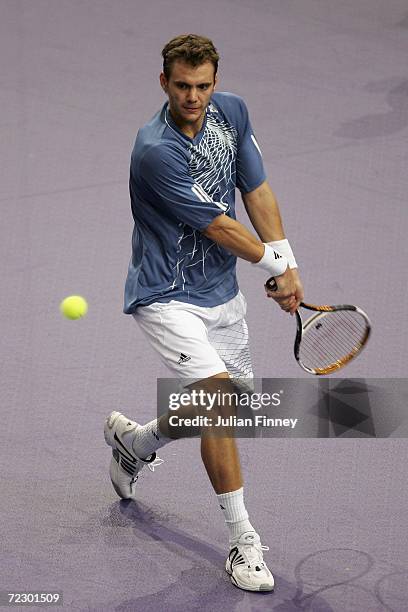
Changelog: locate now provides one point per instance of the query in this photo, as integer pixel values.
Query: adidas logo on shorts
(183, 358)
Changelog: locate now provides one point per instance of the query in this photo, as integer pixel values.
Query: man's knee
(217, 396)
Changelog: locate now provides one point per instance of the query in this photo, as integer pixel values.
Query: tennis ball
(74, 307)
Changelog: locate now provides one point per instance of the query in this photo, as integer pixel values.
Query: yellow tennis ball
(74, 307)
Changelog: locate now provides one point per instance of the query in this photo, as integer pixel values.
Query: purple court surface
(326, 83)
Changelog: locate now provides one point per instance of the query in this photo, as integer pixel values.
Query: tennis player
(181, 286)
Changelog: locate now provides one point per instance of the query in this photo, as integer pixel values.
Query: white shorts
(197, 342)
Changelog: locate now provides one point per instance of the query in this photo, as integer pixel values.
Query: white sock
(235, 514)
(148, 439)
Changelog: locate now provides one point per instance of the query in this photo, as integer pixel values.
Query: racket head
(330, 338)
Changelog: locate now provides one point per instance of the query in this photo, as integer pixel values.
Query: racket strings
(332, 340)
(346, 332)
(334, 337)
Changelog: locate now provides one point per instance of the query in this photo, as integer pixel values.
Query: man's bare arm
(235, 237)
(263, 212)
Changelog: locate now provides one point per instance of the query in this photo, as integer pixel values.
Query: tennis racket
(330, 338)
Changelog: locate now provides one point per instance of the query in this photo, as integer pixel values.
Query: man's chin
(192, 116)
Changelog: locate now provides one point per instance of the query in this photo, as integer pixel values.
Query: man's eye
(184, 86)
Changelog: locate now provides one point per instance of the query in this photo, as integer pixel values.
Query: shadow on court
(375, 125)
(205, 586)
(358, 408)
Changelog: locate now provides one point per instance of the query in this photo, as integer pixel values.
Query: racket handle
(271, 285)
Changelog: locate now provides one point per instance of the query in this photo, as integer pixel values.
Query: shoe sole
(118, 491)
(109, 432)
(262, 587)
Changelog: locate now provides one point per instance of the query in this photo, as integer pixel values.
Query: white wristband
(283, 247)
(272, 261)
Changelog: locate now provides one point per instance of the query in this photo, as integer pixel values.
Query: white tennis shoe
(246, 566)
(125, 465)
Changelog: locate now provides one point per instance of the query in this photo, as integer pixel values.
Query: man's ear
(163, 81)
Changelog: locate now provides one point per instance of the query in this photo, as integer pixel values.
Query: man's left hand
(293, 304)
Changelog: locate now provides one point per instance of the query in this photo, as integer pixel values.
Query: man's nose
(193, 93)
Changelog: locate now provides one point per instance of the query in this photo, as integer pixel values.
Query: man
(181, 286)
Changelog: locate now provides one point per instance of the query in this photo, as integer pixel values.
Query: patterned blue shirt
(178, 185)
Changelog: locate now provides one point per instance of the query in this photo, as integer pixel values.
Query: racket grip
(271, 285)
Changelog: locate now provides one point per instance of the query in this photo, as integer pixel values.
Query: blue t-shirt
(178, 185)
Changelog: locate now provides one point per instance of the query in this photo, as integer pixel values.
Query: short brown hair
(192, 49)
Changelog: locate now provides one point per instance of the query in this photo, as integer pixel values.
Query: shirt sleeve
(165, 174)
(250, 169)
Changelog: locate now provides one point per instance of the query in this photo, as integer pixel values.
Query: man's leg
(221, 460)
(219, 453)
(220, 457)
